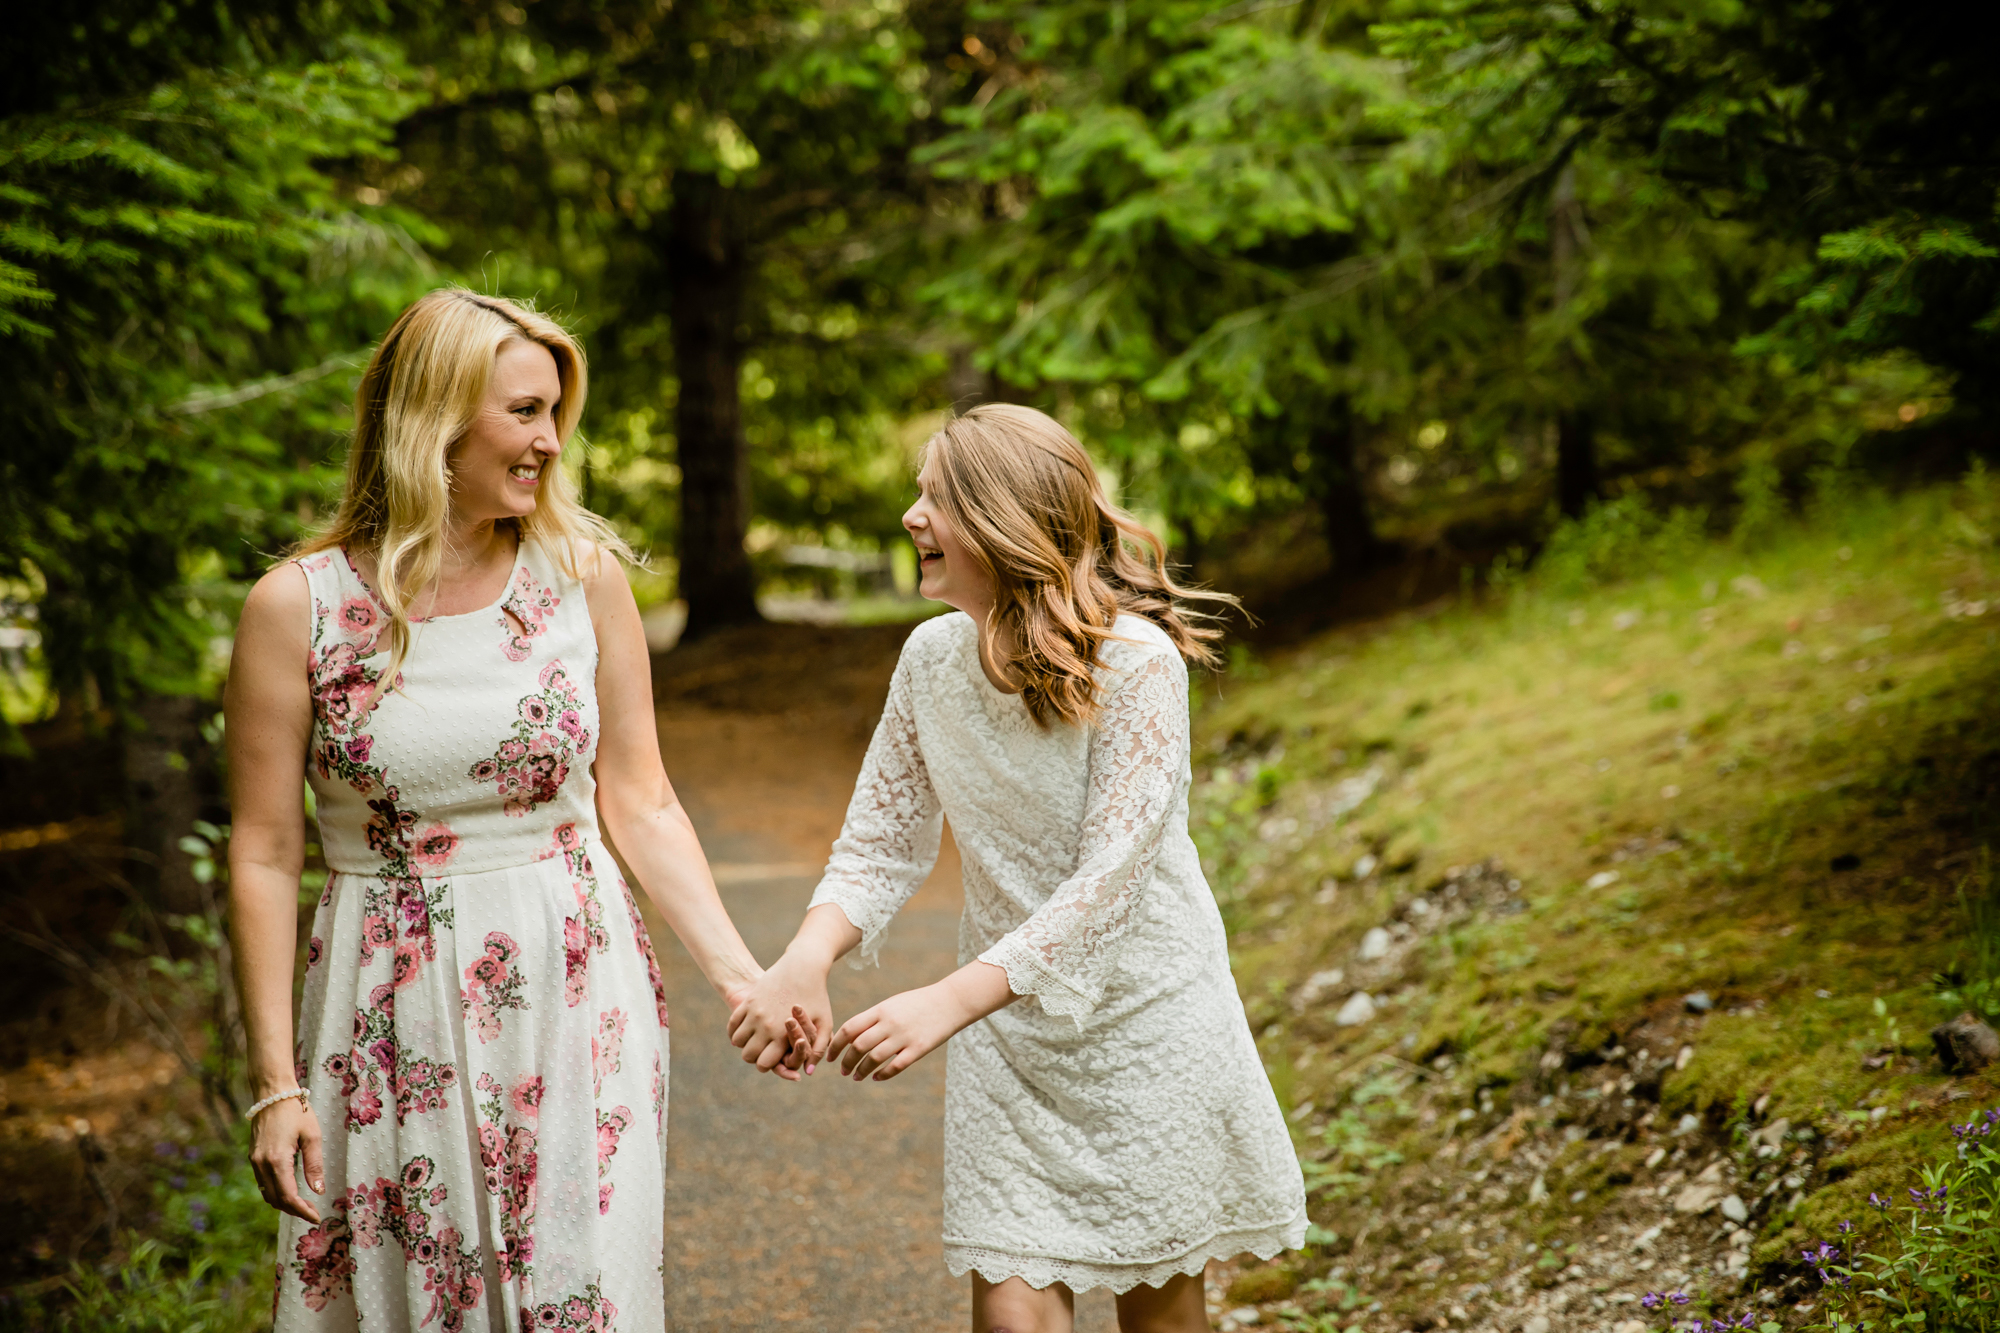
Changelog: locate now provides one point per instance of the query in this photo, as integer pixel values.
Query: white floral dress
(484, 1033)
(1115, 1126)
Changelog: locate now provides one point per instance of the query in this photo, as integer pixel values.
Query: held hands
(781, 1020)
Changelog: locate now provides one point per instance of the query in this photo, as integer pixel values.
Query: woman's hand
(781, 1020)
(280, 1135)
(884, 1041)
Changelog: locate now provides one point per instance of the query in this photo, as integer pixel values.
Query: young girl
(1108, 1123)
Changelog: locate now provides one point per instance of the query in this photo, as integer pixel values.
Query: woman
(478, 1089)
(1108, 1123)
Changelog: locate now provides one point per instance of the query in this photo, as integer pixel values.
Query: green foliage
(1617, 540)
(1944, 1271)
(178, 275)
(204, 1266)
(1973, 980)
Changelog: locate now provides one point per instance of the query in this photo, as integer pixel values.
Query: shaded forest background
(1322, 283)
(1355, 302)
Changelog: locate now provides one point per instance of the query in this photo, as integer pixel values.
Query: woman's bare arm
(267, 708)
(641, 815)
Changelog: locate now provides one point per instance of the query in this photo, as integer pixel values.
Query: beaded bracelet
(255, 1107)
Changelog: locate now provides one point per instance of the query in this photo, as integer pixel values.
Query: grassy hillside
(1673, 853)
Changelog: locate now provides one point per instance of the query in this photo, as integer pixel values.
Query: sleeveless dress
(484, 1033)
(1115, 1125)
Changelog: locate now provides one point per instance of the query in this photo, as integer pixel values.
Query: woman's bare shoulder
(281, 599)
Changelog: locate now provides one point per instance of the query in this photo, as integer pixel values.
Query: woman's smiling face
(496, 470)
(948, 572)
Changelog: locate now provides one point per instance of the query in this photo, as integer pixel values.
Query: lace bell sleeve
(1065, 953)
(889, 841)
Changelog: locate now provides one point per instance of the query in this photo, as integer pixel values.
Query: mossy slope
(1764, 778)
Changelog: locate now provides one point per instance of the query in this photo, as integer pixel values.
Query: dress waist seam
(380, 871)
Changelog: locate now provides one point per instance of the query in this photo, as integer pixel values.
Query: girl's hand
(903, 1029)
(790, 997)
(280, 1135)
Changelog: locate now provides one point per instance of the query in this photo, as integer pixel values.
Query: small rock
(1365, 866)
(1536, 1323)
(1603, 879)
(1698, 1002)
(1655, 1157)
(1965, 1045)
(1629, 1326)
(1698, 1197)
(1539, 1190)
(1773, 1134)
(1318, 984)
(1734, 1210)
(1375, 944)
(1688, 1124)
(1246, 1317)
(1681, 1060)
(1359, 1009)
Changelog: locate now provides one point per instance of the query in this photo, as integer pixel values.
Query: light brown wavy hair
(417, 400)
(1024, 498)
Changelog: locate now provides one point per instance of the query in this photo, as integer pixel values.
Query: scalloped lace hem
(1039, 1271)
(1028, 975)
(868, 953)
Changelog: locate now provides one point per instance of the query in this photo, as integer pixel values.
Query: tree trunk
(708, 261)
(162, 800)
(1343, 505)
(1576, 463)
(1576, 435)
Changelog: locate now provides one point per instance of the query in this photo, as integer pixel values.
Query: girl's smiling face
(496, 470)
(948, 573)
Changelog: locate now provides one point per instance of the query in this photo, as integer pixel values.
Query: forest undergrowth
(1593, 928)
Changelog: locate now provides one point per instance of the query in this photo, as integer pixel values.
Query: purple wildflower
(1846, 1227)
(1879, 1201)
(1680, 1298)
(1652, 1300)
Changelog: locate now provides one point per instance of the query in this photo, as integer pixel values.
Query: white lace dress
(483, 1035)
(1115, 1126)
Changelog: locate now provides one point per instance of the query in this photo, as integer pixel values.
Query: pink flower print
(528, 1097)
(314, 950)
(416, 1173)
(358, 616)
(408, 957)
(606, 1047)
(485, 770)
(554, 678)
(512, 752)
(576, 961)
(359, 748)
(575, 1310)
(364, 1107)
(492, 985)
(567, 837)
(609, 1128)
(570, 723)
(376, 933)
(534, 711)
(435, 846)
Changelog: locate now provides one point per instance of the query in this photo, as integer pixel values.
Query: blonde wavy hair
(417, 400)
(1023, 497)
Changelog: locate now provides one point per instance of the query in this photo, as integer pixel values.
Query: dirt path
(814, 1206)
